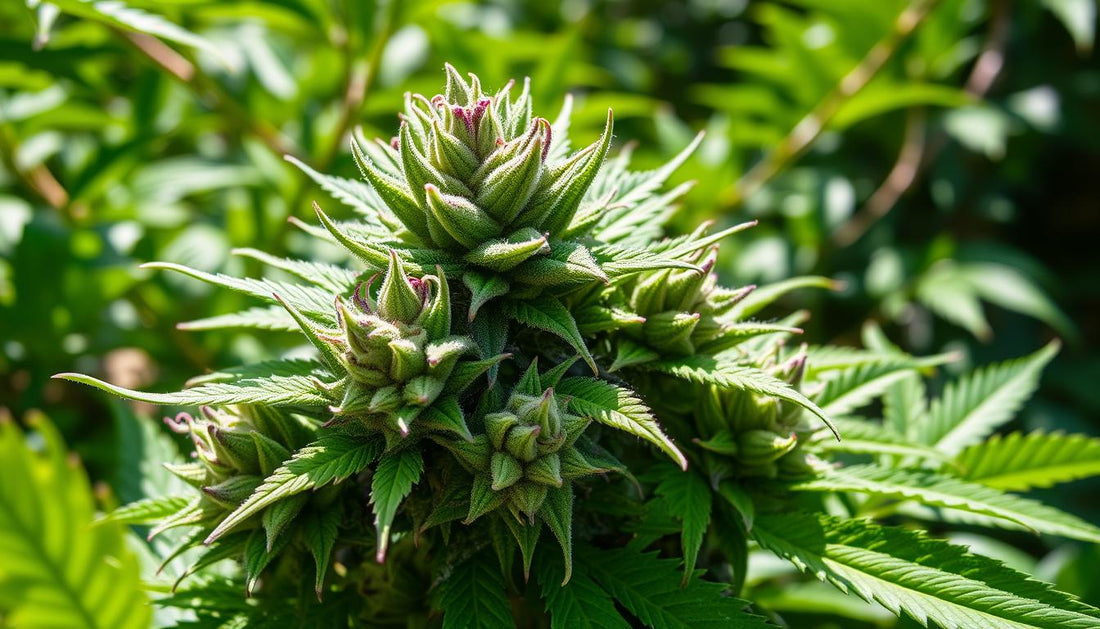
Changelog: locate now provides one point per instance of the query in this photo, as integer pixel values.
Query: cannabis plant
(527, 403)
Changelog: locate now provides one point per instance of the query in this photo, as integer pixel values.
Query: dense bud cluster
(749, 434)
(234, 451)
(474, 174)
(478, 203)
(397, 348)
(413, 463)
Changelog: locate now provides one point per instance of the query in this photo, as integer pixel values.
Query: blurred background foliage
(939, 159)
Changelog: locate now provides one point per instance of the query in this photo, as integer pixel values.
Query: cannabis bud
(478, 203)
(526, 438)
(475, 175)
(235, 450)
(754, 434)
(396, 347)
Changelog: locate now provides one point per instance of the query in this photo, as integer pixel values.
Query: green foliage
(974, 406)
(479, 343)
(1018, 462)
(939, 491)
(331, 459)
(651, 589)
(927, 579)
(61, 569)
(473, 594)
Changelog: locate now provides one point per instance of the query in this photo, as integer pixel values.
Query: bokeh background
(940, 159)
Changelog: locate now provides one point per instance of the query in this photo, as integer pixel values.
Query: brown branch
(810, 127)
(38, 179)
(913, 157)
(161, 54)
(208, 91)
(901, 177)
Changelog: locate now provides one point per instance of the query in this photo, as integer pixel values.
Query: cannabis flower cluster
(548, 256)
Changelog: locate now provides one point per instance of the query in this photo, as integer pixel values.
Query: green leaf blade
(1017, 462)
(331, 458)
(394, 478)
(923, 578)
(942, 491)
(651, 589)
(619, 408)
(975, 405)
(473, 596)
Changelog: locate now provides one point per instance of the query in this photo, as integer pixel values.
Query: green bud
(417, 117)
(409, 360)
(723, 443)
(508, 252)
(671, 331)
(489, 129)
(596, 318)
(497, 426)
(683, 290)
(507, 188)
(436, 317)
(420, 172)
(553, 207)
(355, 400)
(522, 442)
(543, 412)
(545, 470)
(423, 390)
(386, 400)
(568, 263)
(463, 221)
(450, 154)
(367, 375)
(234, 490)
(457, 90)
(648, 296)
(760, 447)
(518, 112)
(443, 355)
(235, 449)
(398, 299)
(504, 471)
(528, 497)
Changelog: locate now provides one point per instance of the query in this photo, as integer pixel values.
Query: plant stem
(914, 156)
(811, 126)
(901, 178)
(39, 179)
(208, 91)
(360, 80)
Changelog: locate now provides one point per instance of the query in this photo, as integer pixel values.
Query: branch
(39, 179)
(810, 127)
(901, 177)
(913, 157)
(360, 81)
(208, 91)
